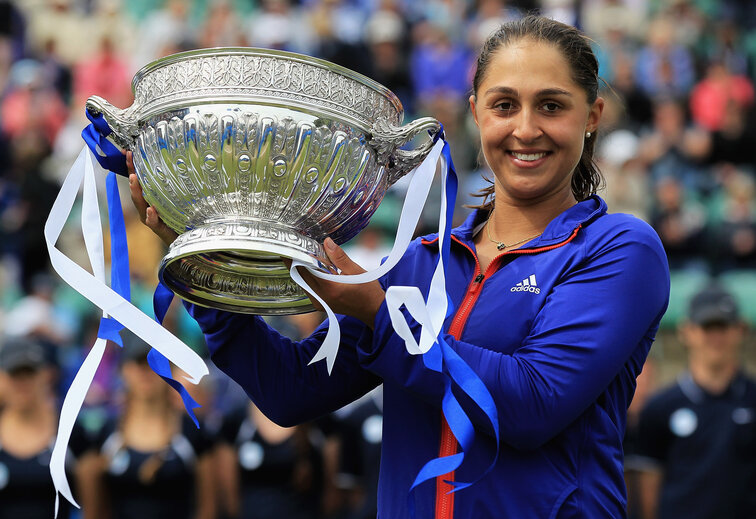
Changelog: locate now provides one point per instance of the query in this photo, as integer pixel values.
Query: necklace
(501, 245)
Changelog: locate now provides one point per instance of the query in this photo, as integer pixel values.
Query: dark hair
(576, 48)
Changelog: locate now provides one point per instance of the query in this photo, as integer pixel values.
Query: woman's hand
(147, 214)
(360, 301)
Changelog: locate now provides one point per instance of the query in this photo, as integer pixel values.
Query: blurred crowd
(677, 149)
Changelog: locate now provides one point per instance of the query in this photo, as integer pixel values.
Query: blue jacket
(557, 330)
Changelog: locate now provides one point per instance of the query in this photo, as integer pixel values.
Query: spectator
(720, 87)
(699, 435)
(359, 428)
(664, 66)
(28, 425)
(152, 462)
(671, 147)
(221, 27)
(60, 21)
(646, 386)
(105, 74)
(163, 29)
(638, 107)
(627, 183)
(35, 314)
(440, 67)
(278, 25)
(30, 104)
(680, 222)
(733, 143)
(385, 35)
(267, 471)
(734, 239)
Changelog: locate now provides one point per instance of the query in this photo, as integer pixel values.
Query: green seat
(742, 285)
(683, 285)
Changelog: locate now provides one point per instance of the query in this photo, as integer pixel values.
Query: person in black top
(153, 462)
(359, 428)
(699, 435)
(268, 471)
(28, 425)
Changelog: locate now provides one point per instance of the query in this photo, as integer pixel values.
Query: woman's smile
(528, 158)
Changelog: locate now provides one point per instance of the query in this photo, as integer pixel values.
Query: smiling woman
(554, 304)
(535, 101)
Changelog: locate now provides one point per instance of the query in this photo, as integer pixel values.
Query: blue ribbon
(110, 157)
(107, 154)
(119, 255)
(161, 301)
(443, 359)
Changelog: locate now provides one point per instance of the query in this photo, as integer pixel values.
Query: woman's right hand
(147, 214)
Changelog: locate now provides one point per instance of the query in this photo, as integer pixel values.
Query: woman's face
(533, 119)
(25, 388)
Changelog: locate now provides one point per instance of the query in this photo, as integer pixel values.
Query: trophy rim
(261, 51)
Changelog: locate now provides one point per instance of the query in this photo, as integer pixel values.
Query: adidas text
(520, 288)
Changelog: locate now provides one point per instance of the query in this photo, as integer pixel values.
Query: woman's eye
(551, 107)
(504, 106)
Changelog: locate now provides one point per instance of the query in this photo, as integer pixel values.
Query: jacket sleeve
(273, 370)
(590, 325)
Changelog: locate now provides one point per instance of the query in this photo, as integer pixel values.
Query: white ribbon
(430, 314)
(93, 287)
(414, 202)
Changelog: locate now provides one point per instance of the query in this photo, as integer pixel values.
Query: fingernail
(329, 244)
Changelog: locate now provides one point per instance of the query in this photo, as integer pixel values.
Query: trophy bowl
(254, 155)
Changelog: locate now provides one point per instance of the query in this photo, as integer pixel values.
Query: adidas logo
(527, 285)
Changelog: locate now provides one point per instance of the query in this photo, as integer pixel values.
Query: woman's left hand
(359, 301)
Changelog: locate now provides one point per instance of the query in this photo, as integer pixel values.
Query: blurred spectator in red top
(709, 98)
(106, 74)
(31, 105)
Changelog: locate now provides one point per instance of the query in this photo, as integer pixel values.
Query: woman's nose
(526, 126)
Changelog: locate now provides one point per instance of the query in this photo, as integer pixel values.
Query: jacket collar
(559, 229)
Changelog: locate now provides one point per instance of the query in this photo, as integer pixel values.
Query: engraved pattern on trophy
(260, 76)
(252, 155)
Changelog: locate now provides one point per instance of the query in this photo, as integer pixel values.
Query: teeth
(528, 156)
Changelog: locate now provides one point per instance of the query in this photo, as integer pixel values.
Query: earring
(587, 135)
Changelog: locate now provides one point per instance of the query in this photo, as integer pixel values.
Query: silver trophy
(254, 155)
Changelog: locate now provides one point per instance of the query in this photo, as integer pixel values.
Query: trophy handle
(122, 122)
(388, 139)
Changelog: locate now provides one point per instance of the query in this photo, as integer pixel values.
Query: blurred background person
(152, 461)
(267, 471)
(698, 436)
(358, 431)
(28, 426)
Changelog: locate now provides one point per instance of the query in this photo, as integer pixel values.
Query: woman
(268, 471)
(154, 463)
(28, 425)
(557, 303)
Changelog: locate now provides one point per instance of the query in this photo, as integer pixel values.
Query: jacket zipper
(448, 447)
(448, 443)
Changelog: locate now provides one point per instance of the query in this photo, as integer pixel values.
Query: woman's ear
(472, 108)
(594, 116)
